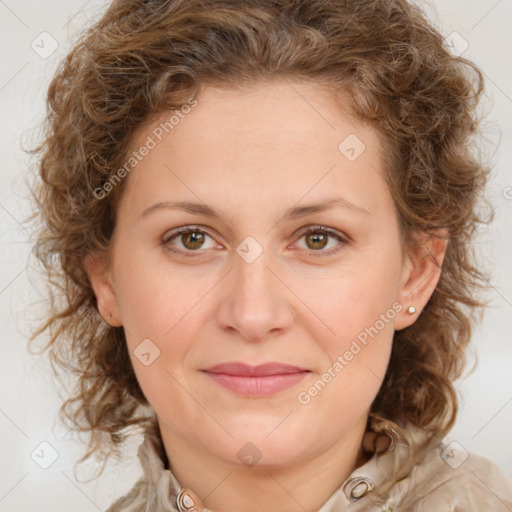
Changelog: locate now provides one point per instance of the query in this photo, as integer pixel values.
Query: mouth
(256, 381)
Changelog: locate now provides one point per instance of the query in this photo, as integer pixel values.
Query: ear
(420, 275)
(98, 271)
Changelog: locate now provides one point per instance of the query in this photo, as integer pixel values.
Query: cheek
(355, 361)
(153, 297)
(352, 299)
(165, 305)
(357, 310)
(158, 314)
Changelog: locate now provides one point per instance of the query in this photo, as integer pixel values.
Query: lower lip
(257, 386)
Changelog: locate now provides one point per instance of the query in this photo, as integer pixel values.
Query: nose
(256, 303)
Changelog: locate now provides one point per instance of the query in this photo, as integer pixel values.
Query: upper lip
(236, 368)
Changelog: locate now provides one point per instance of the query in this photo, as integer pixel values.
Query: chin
(266, 445)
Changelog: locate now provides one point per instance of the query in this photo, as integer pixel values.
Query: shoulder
(134, 501)
(450, 479)
(416, 471)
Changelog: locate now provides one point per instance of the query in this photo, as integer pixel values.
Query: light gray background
(28, 396)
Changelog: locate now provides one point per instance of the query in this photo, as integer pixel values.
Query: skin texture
(253, 154)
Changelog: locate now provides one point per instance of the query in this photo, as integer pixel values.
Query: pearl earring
(411, 310)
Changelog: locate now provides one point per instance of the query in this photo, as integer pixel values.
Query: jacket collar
(393, 451)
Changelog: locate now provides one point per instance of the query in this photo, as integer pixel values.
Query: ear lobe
(96, 267)
(422, 271)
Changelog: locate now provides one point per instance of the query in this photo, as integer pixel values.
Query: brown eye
(316, 241)
(317, 238)
(187, 240)
(192, 240)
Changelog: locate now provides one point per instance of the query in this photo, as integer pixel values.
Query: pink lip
(265, 379)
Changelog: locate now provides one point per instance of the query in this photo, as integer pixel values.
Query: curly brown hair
(143, 58)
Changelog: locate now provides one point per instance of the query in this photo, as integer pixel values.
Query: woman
(260, 215)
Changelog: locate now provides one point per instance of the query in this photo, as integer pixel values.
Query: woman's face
(247, 284)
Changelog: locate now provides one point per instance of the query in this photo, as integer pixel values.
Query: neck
(303, 485)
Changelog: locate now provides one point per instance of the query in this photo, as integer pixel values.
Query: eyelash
(312, 229)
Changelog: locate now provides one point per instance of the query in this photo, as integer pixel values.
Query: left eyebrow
(340, 202)
(293, 213)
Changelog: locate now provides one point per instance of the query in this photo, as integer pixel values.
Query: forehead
(280, 112)
(281, 139)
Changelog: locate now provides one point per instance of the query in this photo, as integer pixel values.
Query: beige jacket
(408, 471)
